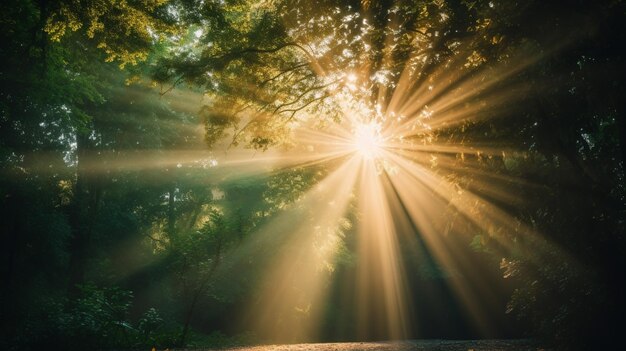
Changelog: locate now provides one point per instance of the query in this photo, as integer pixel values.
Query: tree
(276, 65)
(62, 136)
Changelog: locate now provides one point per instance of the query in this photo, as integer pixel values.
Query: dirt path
(411, 345)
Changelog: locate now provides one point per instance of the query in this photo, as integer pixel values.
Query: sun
(367, 140)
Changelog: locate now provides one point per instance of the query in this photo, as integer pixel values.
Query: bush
(97, 319)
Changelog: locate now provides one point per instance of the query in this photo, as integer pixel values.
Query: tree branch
(313, 88)
(283, 72)
(295, 110)
(176, 82)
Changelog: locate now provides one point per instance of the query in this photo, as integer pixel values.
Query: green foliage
(97, 319)
(123, 30)
(149, 325)
(287, 187)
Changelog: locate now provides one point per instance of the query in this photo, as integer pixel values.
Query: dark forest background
(119, 229)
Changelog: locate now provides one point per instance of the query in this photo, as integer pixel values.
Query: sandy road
(410, 345)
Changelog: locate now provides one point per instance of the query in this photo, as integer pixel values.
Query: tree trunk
(196, 296)
(83, 212)
(43, 36)
(171, 218)
(10, 232)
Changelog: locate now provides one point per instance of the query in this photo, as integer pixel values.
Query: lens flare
(368, 141)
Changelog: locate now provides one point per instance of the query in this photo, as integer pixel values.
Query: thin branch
(414, 30)
(239, 131)
(283, 72)
(273, 97)
(229, 56)
(176, 82)
(295, 110)
(313, 88)
(293, 113)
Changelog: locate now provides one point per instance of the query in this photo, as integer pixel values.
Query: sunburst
(367, 140)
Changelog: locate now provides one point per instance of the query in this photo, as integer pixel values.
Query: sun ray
(382, 302)
(290, 302)
(399, 171)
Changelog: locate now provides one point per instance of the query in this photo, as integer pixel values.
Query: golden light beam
(382, 294)
(425, 205)
(426, 197)
(383, 162)
(293, 288)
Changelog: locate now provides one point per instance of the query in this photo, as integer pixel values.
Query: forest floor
(410, 345)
